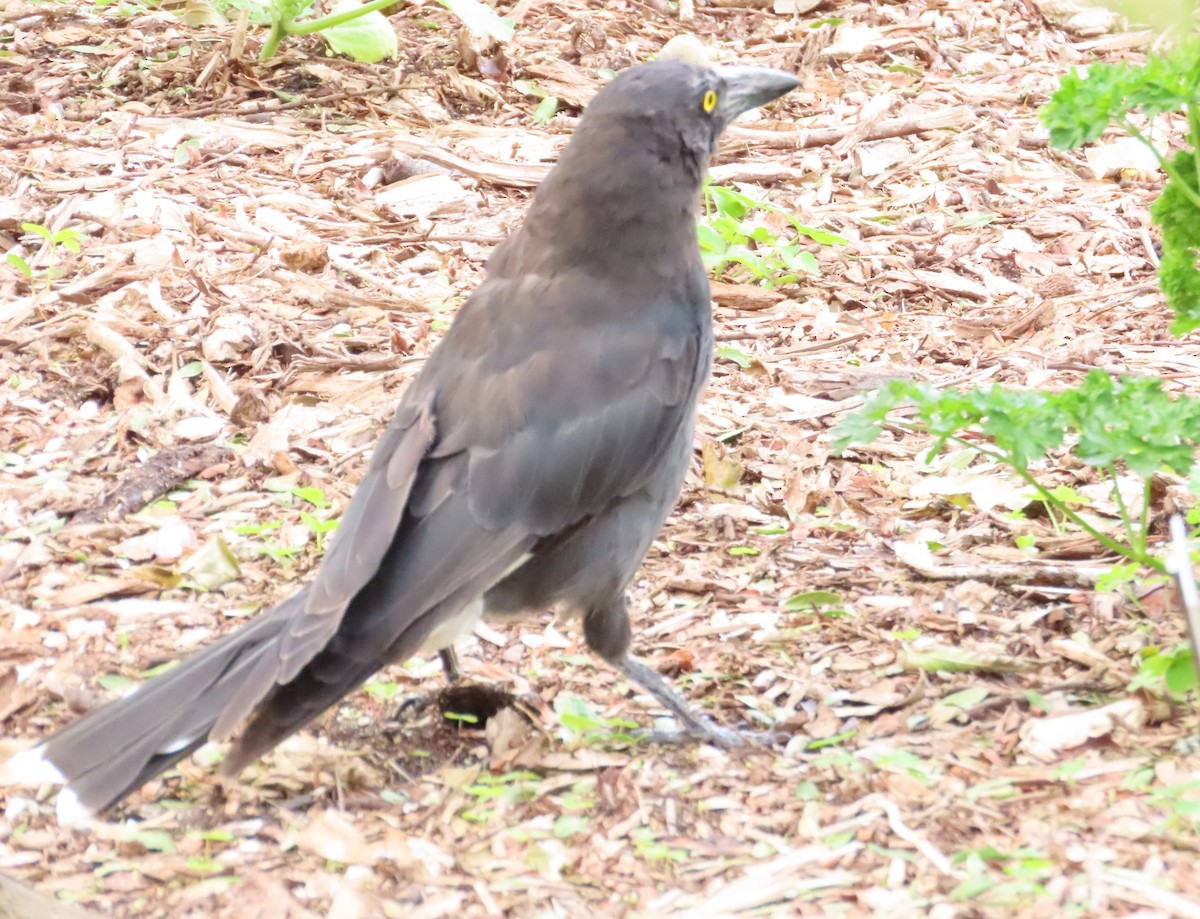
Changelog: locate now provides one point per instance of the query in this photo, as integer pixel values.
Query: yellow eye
(710, 101)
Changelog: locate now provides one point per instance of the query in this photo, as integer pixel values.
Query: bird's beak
(750, 87)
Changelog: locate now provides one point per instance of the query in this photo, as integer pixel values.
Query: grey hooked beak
(750, 87)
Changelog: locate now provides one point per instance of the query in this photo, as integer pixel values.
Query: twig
(274, 105)
(771, 881)
(746, 336)
(1179, 565)
(20, 902)
(922, 562)
(827, 137)
(29, 140)
(910, 836)
(1147, 893)
(160, 473)
(495, 173)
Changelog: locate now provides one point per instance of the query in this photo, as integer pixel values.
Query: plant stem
(274, 37)
(1107, 541)
(309, 26)
(1166, 164)
(1137, 540)
(1146, 491)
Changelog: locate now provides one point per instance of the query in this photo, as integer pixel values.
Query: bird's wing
(539, 421)
(579, 410)
(365, 531)
(522, 423)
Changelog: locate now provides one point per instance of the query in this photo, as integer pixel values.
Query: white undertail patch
(451, 629)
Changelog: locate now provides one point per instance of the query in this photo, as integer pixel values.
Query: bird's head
(696, 101)
(627, 184)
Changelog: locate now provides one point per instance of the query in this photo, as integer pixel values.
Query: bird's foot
(696, 727)
(413, 705)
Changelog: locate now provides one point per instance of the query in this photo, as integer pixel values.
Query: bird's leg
(609, 634)
(696, 725)
(450, 664)
(418, 702)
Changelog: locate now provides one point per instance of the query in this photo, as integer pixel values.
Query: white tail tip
(70, 810)
(30, 767)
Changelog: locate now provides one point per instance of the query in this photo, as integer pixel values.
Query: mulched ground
(267, 251)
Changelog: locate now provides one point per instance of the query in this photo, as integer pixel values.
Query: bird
(529, 464)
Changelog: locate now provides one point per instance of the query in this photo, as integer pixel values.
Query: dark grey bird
(529, 464)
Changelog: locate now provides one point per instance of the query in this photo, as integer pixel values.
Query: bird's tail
(113, 750)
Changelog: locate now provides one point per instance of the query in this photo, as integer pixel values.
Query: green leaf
(153, 840)
(314, 496)
(259, 10)
(183, 154)
(735, 242)
(287, 11)
(807, 791)
(545, 110)
(1130, 420)
(741, 358)
(316, 524)
(813, 599)
(37, 230)
(1037, 701)
(212, 566)
(775, 530)
(1180, 678)
(68, 238)
(368, 39)
(1167, 672)
(965, 698)
(20, 264)
(568, 825)
(461, 718)
(728, 202)
(382, 690)
(529, 88)
(480, 19)
(1085, 104)
(1118, 576)
(257, 529)
(817, 235)
(114, 681)
(710, 238)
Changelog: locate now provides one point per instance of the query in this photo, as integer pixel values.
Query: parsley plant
(1086, 104)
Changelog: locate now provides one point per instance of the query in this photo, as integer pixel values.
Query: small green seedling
(736, 243)
(362, 32)
(580, 724)
(56, 240)
(359, 32)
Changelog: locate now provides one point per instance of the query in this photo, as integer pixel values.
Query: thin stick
(827, 137)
